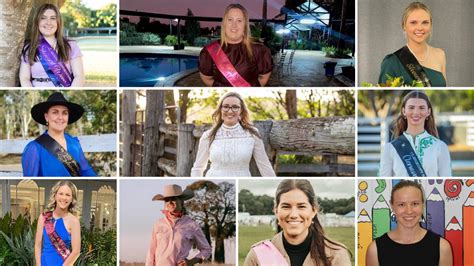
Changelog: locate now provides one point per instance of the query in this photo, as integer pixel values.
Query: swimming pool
(145, 69)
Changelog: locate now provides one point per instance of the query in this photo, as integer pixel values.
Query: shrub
(171, 40)
(201, 41)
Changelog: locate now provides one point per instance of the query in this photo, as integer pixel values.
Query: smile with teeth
(294, 222)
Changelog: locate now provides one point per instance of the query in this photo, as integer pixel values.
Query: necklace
(426, 54)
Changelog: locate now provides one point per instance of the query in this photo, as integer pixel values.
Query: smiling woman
(235, 60)
(417, 61)
(409, 243)
(48, 58)
(301, 239)
(231, 142)
(58, 233)
(55, 153)
(416, 149)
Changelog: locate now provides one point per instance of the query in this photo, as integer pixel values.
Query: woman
(231, 142)
(416, 141)
(408, 243)
(58, 233)
(235, 60)
(176, 234)
(417, 60)
(55, 153)
(301, 240)
(48, 58)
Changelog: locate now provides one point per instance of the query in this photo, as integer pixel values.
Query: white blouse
(230, 154)
(431, 151)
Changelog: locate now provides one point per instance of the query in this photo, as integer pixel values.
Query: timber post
(184, 149)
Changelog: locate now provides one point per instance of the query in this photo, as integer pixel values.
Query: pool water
(144, 70)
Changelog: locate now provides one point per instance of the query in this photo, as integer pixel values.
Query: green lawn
(249, 235)
(98, 44)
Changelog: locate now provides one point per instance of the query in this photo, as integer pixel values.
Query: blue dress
(37, 161)
(49, 255)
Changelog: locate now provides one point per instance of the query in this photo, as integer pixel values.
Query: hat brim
(75, 111)
(187, 194)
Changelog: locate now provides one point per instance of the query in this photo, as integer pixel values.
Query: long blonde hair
(247, 40)
(31, 45)
(52, 201)
(245, 121)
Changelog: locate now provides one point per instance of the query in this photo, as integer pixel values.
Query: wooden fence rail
(328, 136)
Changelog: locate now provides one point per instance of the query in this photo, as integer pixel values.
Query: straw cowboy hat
(174, 191)
(57, 98)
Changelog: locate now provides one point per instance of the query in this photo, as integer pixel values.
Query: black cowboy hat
(57, 98)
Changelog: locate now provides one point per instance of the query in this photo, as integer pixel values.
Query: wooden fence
(329, 137)
(89, 143)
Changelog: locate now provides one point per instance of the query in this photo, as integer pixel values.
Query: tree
(213, 206)
(14, 14)
(193, 27)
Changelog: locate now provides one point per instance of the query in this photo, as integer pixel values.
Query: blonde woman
(231, 142)
(235, 60)
(417, 60)
(58, 234)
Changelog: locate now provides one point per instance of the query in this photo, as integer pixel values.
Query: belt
(41, 79)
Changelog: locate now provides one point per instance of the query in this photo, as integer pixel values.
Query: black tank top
(425, 252)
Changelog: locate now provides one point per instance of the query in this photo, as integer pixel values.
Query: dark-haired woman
(417, 149)
(301, 240)
(231, 142)
(55, 153)
(48, 58)
(409, 243)
(235, 60)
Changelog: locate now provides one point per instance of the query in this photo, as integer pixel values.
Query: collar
(418, 137)
(230, 127)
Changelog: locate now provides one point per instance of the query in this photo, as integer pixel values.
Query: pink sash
(55, 239)
(269, 255)
(225, 66)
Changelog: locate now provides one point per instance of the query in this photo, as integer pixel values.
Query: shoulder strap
(56, 240)
(268, 254)
(53, 147)
(412, 66)
(225, 66)
(408, 156)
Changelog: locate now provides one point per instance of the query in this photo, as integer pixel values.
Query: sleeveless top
(49, 255)
(425, 252)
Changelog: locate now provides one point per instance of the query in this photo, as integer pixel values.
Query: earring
(47, 123)
(428, 118)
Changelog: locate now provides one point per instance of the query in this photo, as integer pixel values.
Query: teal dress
(391, 65)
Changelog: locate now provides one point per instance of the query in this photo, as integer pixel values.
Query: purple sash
(54, 67)
(55, 239)
(225, 66)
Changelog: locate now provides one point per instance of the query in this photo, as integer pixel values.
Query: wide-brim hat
(174, 191)
(57, 98)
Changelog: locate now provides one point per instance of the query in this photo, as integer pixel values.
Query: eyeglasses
(234, 108)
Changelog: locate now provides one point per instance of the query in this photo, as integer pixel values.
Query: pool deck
(308, 69)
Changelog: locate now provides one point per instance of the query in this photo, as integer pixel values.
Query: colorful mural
(449, 212)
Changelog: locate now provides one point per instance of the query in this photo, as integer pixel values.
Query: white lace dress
(230, 154)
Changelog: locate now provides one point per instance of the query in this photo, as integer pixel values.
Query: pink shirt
(37, 70)
(170, 245)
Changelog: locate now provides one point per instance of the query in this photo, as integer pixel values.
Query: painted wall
(449, 212)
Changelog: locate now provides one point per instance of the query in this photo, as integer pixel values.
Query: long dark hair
(400, 124)
(31, 45)
(318, 239)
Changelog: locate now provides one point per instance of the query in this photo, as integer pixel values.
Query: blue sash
(408, 156)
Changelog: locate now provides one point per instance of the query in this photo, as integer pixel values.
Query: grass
(249, 235)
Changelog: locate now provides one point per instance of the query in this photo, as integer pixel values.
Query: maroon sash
(225, 66)
(55, 239)
(53, 66)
